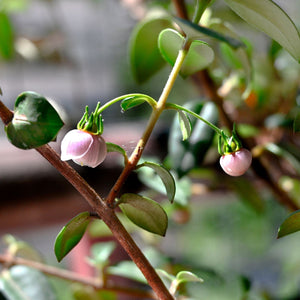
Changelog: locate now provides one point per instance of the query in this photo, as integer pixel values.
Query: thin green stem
(179, 107)
(160, 106)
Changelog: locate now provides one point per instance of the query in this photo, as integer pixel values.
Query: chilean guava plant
(226, 132)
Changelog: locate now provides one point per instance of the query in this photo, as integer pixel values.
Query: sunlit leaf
(165, 176)
(23, 283)
(185, 276)
(268, 17)
(35, 122)
(145, 213)
(200, 55)
(136, 100)
(185, 125)
(70, 235)
(290, 225)
(144, 54)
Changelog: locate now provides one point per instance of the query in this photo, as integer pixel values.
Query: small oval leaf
(185, 125)
(136, 100)
(165, 176)
(35, 122)
(200, 55)
(70, 235)
(268, 17)
(185, 276)
(145, 213)
(290, 225)
(111, 147)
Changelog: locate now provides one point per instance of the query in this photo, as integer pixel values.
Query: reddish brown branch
(93, 282)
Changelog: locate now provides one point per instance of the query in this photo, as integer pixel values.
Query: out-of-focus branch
(93, 282)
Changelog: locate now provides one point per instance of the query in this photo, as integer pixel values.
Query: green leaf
(199, 32)
(200, 55)
(35, 122)
(70, 235)
(165, 176)
(101, 252)
(145, 213)
(23, 283)
(6, 37)
(144, 54)
(290, 225)
(185, 125)
(111, 147)
(135, 100)
(185, 276)
(268, 17)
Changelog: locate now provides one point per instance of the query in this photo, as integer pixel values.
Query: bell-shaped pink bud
(236, 163)
(83, 148)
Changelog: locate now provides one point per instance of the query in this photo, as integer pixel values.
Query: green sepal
(290, 225)
(199, 56)
(71, 234)
(145, 213)
(165, 176)
(35, 122)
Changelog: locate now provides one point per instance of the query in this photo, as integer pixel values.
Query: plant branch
(160, 106)
(104, 212)
(96, 283)
(208, 87)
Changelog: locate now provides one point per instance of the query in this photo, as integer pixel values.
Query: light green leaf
(165, 176)
(23, 283)
(35, 122)
(101, 252)
(145, 213)
(290, 225)
(135, 100)
(144, 54)
(268, 17)
(70, 235)
(185, 276)
(185, 125)
(200, 55)
(116, 148)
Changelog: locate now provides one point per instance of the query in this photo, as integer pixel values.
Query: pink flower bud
(236, 163)
(83, 148)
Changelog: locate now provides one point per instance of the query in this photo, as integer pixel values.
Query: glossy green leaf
(268, 17)
(35, 122)
(136, 100)
(6, 37)
(200, 55)
(23, 283)
(145, 213)
(187, 155)
(144, 54)
(165, 176)
(290, 225)
(196, 31)
(185, 125)
(70, 235)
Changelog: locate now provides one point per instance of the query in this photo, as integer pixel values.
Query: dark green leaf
(70, 235)
(200, 55)
(165, 176)
(268, 17)
(23, 283)
(290, 225)
(194, 30)
(145, 213)
(6, 37)
(144, 54)
(35, 122)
